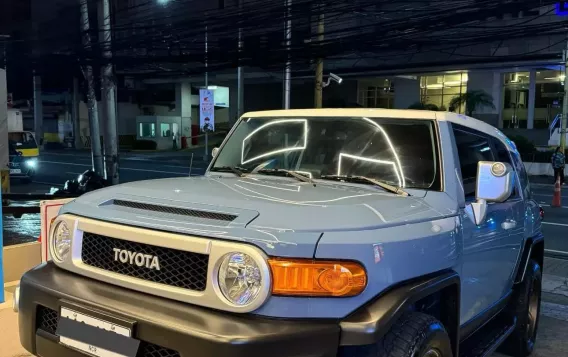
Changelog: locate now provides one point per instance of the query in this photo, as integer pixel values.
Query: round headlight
(31, 163)
(61, 241)
(240, 278)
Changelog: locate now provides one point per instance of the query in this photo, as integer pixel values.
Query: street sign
(562, 8)
(206, 110)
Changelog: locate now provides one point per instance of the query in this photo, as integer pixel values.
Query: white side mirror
(495, 183)
(214, 152)
(477, 211)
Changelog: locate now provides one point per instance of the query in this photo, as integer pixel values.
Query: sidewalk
(9, 335)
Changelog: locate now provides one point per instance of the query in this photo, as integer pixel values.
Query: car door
(486, 260)
(518, 205)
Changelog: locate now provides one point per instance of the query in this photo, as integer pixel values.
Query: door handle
(508, 224)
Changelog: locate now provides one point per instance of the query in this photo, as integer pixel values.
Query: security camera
(332, 77)
(336, 78)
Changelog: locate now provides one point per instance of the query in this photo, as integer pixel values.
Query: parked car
(22, 167)
(339, 232)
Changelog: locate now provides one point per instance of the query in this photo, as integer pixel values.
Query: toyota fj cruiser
(313, 233)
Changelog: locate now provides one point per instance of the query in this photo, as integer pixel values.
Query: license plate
(95, 336)
(15, 171)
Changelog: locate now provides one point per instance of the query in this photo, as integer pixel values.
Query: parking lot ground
(555, 225)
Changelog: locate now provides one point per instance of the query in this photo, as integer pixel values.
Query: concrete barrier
(541, 169)
(20, 258)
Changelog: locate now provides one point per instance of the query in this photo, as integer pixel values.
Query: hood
(270, 209)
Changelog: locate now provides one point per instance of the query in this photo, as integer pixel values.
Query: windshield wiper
(239, 171)
(288, 172)
(383, 185)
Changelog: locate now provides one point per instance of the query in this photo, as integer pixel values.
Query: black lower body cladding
(160, 327)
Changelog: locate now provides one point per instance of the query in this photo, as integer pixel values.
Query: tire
(525, 306)
(414, 335)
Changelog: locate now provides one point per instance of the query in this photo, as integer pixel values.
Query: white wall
(126, 119)
(406, 92)
(541, 169)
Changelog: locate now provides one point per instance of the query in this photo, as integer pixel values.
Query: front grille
(176, 210)
(151, 350)
(177, 268)
(47, 320)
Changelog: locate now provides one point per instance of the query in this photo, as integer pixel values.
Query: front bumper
(24, 172)
(164, 328)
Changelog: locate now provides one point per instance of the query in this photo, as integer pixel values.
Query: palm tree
(473, 100)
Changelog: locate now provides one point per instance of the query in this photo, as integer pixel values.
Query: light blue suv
(345, 232)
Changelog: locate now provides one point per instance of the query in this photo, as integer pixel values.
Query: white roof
(460, 119)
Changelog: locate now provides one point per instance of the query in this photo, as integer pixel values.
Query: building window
(441, 89)
(376, 93)
(548, 97)
(516, 99)
(147, 130)
(165, 130)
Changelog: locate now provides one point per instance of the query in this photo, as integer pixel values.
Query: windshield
(401, 152)
(22, 140)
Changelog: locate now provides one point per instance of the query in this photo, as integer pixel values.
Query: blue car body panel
(395, 238)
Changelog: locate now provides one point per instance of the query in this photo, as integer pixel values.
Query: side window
(472, 148)
(501, 152)
(522, 172)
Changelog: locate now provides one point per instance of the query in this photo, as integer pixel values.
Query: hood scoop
(176, 210)
(194, 215)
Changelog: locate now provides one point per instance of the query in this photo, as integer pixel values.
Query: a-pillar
(183, 108)
(38, 110)
(532, 99)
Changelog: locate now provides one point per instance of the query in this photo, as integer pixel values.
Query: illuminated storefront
(441, 89)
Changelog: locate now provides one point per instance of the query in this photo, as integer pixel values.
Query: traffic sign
(562, 8)
(206, 110)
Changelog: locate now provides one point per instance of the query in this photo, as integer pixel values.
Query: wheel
(525, 306)
(414, 335)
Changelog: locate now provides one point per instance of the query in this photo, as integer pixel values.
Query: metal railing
(554, 124)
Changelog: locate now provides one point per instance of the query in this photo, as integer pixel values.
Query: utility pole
(240, 71)
(38, 110)
(91, 97)
(564, 104)
(109, 90)
(318, 95)
(288, 69)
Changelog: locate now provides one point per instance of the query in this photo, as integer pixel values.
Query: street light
(163, 2)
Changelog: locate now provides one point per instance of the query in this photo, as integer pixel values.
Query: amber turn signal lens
(300, 277)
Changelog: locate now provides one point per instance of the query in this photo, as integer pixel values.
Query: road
(555, 225)
(56, 167)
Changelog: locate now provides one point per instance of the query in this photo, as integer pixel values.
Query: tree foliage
(473, 100)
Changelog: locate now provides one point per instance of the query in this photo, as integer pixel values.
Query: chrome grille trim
(178, 268)
(215, 249)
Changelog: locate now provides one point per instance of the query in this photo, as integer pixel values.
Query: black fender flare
(368, 324)
(533, 248)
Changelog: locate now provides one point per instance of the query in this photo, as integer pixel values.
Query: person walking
(558, 162)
